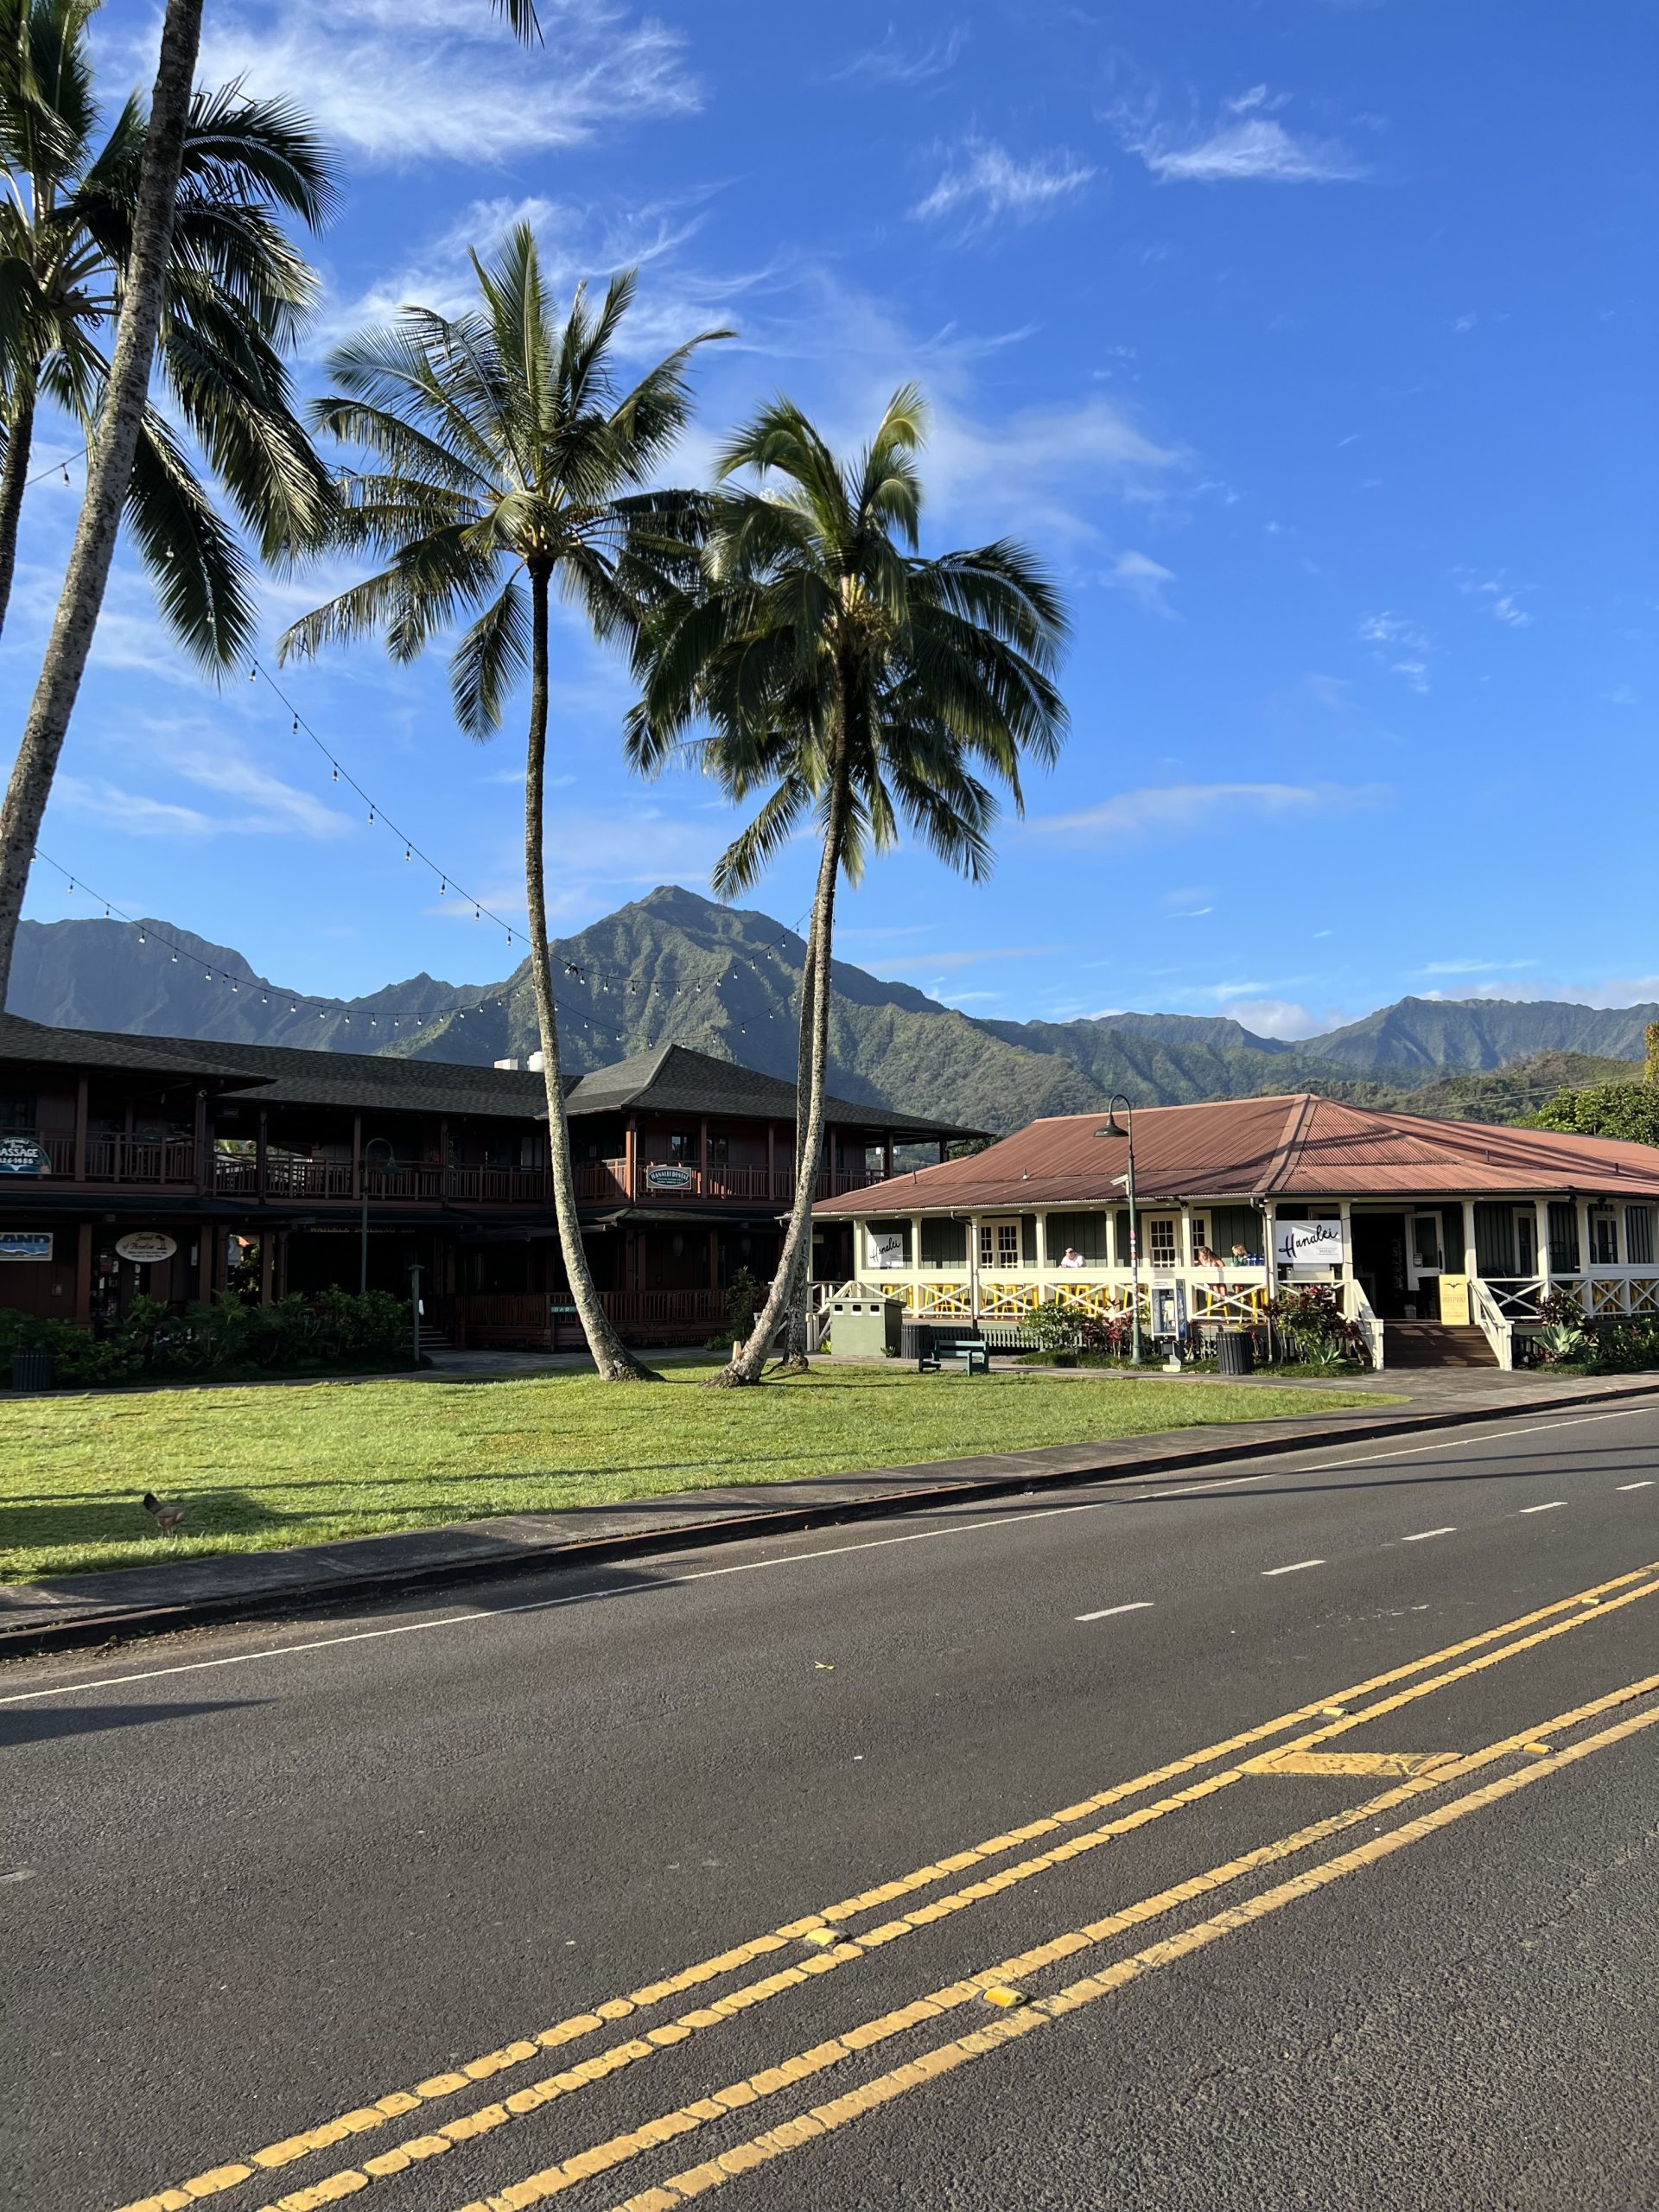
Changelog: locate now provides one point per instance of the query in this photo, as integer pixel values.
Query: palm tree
(113, 450)
(509, 466)
(857, 684)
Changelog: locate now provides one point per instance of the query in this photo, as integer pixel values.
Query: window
(1199, 1230)
(1526, 1243)
(1638, 1236)
(17, 1113)
(1603, 1240)
(682, 1147)
(1160, 1240)
(998, 1243)
(1425, 1242)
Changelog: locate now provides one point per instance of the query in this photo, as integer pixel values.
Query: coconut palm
(509, 463)
(856, 683)
(113, 450)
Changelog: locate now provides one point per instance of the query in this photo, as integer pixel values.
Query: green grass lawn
(260, 1468)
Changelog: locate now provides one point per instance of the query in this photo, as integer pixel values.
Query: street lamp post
(1113, 1128)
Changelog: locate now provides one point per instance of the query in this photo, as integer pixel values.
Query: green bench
(968, 1351)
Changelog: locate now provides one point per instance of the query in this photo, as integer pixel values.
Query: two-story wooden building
(182, 1169)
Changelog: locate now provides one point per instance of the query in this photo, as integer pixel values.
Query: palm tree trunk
(615, 1363)
(109, 471)
(795, 1341)
(746, 1365)
(14, 477)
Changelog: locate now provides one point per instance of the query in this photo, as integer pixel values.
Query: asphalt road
(1306, 1816)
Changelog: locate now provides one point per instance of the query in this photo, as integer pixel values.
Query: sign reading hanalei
(25, 1243)
(887, 1248)
(24, 1156)
(1309, 1244)
(664, 1176)
(144, 1247)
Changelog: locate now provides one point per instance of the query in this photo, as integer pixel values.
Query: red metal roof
(1301, 1146)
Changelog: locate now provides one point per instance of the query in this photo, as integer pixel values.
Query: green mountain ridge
(677, 967)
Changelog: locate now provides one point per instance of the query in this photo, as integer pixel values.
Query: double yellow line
(1556, 1619)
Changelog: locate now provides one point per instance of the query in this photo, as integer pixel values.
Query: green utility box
(865, 1328)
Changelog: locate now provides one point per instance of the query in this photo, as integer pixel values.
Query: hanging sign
(887, 1248)
(1309, 1244)
(24, 1156)
(660, 1176)
(144, 1247)
(25, 1243)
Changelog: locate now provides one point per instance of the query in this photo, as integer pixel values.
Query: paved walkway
(91, 1608)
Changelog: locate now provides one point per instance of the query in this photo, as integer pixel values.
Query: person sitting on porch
(1071, 1257)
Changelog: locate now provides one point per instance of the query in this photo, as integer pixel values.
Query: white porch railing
(1494, 1323)
(1356, 1308)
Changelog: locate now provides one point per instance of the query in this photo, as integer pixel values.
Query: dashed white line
(1648, 1485)
(1135, 1605)
(1295, 1566)
(1550, 1508)
(1423, 1536)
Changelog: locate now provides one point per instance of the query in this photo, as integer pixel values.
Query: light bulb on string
(406, 852)
(370, 816)
(335, 779)
(142, 939)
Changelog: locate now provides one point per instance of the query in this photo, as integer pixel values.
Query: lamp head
(1113, 1128)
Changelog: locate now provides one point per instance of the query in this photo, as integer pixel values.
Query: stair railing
(1357, 1307)
(1493, 1322)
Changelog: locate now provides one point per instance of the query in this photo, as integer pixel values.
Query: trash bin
(916, 1340)
(34, 1371)
(1235, 1351)
(865, 1328)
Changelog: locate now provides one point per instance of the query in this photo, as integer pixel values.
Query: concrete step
(1434, 1343)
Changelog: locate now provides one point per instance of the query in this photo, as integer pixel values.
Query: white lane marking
(1549, 1508)
(1136, 1605)
(1423, 1536)
(793, 1558)
(1295, 1566)
(1646, 1485)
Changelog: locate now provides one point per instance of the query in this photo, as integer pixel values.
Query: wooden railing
(158, 1160)
(543, 1320)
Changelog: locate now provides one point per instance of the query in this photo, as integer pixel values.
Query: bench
(968, 1351)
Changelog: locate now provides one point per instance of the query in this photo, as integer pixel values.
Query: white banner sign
(1309, 1244)
(887, 1248)
(146, 1246)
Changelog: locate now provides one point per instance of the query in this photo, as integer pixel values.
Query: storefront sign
(1309, 1244)
(659, 1177)
(144, 1247)
(24, 1156)
(1454, 1301)
(25, 1243)
(887, 1248)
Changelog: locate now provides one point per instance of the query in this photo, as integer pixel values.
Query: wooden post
(630, 1152)
(702, 1158)
(262, 1156)
(357, 1155)
(267, 1263)
(1541, 1210)
(772, 1160)
(713, 1259)
(81, 1087)
(207, 1233)
(886, 1157)
(203, 1150)
(84, 1265)
(443, 1155)
(1470, 1249)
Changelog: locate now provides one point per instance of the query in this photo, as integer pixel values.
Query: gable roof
(674, 1079)
(36, 1043)
(1299, 1147)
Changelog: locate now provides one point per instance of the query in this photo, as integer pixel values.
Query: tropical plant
(1561, 1343)
(1630, 1110)
(856, 685)
(112, 449)
(510, 464)
(80, 238)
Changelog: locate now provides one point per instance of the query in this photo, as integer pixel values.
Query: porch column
(80, 1131)
(204, 1157)
(1113, 1258)
(84, 1265)
(1581, 1208)
(772, 1160)
(443, 1155)
(630, 1151)
(357, 1156)
(1470, 1249)
(1270, 1217)
(713, 1259)
(916, 1244)
(860, 1246)
(702, 1159)
(262, 1154)
(886, 1157)
(267, 1264)
(1042, 1249)
(207, 1232)
(1541, 1210)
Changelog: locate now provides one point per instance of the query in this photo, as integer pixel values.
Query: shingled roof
(1295, 1148)
(674, 1079)
(178, 1057)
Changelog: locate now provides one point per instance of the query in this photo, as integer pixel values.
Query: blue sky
(1309, 343)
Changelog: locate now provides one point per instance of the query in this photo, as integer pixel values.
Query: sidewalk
(93, 1609)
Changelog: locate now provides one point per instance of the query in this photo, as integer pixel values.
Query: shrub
(334, 1329)
(1317, 1332)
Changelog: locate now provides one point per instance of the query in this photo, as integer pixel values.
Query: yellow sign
(1454, 1301)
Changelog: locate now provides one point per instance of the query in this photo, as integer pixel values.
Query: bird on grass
(169, 1519)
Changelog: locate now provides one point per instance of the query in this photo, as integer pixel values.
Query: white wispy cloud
(985, 182)
(891, 61)
(400, 80)
(1398, 646)
(1284, 1018)
(267, 803)
(1192, 806)
(1247, 144)
(1475, 967)
(1144, 580)
(1501, 600)
(95, 798)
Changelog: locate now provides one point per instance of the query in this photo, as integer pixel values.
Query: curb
(103, 1631)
